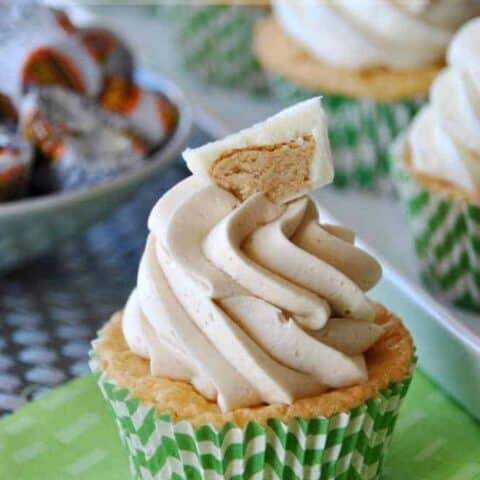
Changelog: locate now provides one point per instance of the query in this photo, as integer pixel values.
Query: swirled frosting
(444, 139)
(250, 301)
(370, 33)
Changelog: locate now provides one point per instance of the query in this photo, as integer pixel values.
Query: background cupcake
(249, 345)
(437, 171)
(373, 61)
(214, 40)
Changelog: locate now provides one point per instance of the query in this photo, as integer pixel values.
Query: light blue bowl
(32, 226)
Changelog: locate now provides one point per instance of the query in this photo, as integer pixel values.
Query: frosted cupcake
(437, 171)
(214, 41)
(249, 346)
(372, 60)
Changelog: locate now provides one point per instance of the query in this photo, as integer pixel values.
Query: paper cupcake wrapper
(447, 236)
(214, 42)
(345, 446)
(360, 131)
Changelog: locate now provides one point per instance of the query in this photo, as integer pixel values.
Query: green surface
(69, 433)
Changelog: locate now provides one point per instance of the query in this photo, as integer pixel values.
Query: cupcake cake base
(171, 431)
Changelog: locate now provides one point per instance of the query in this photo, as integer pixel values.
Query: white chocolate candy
(283, 157)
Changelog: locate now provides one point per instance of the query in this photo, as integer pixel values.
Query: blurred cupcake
(372, 60)
(249, 347)
(437, 171)
(214, 40)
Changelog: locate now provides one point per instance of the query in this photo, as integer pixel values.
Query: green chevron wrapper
(215, 43)
(446, 232)
(360, 131)
(345, 446)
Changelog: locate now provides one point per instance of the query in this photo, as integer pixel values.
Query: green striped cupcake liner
(360, 131)
(345, 446)
(446, 232)
(214, 42)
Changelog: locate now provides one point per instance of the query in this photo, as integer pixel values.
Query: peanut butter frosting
(249, 297)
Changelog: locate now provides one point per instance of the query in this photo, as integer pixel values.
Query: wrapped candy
(110, 52)
(80, 143)
(67, 63)
(151, 115)
(77, 106)
(90, 160)
(50, 114)
(8, 114)
(63, 21)
(38, 51)
(15, 166)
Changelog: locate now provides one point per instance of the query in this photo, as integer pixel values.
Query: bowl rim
(163, 157)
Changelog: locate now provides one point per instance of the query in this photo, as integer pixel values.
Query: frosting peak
(391, 33)
(251, 301)
(444, 138)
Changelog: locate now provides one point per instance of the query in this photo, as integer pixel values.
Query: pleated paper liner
(214, 42)
(344, 446)
(360, 131)
(446, 232)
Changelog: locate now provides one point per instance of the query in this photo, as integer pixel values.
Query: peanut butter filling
(278, 170)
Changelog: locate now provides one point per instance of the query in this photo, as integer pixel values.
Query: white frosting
(369, 33)
(237, 299)
(444, 139)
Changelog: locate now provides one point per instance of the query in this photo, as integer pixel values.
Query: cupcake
(373, 61)
(436, 166)
(214, 41)
(249, 346)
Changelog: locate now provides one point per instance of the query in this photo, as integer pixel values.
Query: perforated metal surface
(51, 308)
